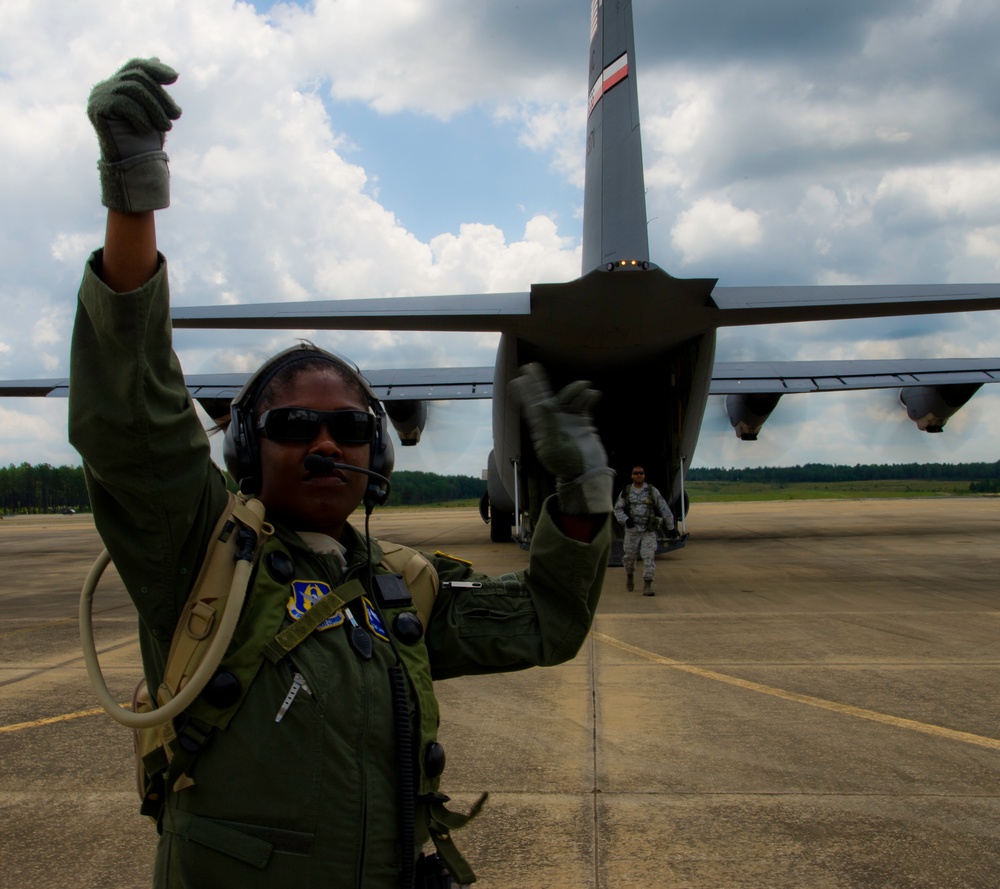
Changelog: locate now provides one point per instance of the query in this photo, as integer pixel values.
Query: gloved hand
(131, 112)
(630, 522)
(565, 440)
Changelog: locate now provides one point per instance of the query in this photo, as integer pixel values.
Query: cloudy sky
(402, 147)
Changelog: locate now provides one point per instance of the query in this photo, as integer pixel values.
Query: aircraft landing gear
(501, 523)
(501, 526)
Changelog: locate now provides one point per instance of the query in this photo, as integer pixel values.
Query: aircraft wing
(216, 391)
(740, 306)
(787, 377)
(35, 388)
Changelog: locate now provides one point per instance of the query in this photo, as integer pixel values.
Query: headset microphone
(318, 465)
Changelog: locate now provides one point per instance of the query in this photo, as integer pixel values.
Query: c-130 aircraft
(644, 338)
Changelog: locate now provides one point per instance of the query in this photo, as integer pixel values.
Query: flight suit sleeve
(154, 490)
(538, 617)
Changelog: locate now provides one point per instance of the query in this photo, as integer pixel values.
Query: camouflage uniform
(312, 799)
(640, 539)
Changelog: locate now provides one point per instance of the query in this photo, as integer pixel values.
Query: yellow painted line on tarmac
(845, 709)
(49, 720)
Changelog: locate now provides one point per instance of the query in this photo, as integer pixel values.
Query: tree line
(422, 488)
(822, 472)
(45, 488)
(42, 488)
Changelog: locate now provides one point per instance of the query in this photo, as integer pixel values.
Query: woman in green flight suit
(295, 775)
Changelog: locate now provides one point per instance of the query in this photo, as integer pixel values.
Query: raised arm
(540, 616)
(567, 445)
(154, 491)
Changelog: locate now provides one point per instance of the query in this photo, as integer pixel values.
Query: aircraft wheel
(501, 526)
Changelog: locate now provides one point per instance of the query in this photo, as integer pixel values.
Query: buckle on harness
(190, 737)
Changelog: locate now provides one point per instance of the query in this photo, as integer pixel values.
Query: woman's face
(304, 501)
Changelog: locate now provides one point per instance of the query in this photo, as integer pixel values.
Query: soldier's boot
(647, 588)
(629, 583)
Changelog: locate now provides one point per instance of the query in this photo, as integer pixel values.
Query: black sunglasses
(302, 424)
(638, 473)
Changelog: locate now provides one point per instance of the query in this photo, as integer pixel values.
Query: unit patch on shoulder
(374, 621)
(453, 558)
(305, 594)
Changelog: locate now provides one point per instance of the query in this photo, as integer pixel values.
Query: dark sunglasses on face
(302, 424)
(638, 473)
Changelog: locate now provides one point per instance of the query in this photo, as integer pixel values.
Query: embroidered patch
(374, 621)
(305, 594)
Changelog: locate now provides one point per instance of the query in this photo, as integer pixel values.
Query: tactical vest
(654, 520)
(167, 754)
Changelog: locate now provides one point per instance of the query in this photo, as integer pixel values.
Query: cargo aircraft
(644, 338)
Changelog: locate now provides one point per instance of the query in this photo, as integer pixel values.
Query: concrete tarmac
(810, 700)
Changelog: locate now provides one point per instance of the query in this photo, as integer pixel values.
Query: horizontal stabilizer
(473, 312)
(740, 306)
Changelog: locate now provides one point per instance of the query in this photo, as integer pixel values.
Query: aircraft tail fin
(614, 203)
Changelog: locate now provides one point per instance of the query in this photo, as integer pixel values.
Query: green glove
(131, 113)
(565, 440)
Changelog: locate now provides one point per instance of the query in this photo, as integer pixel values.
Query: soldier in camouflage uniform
(642, 510)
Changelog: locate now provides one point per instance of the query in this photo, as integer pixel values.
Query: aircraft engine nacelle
(408, 418)
(748, 411)
(931, 406)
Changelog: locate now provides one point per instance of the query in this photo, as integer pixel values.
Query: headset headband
(250, 394)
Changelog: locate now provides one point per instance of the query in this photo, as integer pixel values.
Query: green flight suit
(312, 799)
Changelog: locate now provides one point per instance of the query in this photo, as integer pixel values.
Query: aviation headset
(241, 446)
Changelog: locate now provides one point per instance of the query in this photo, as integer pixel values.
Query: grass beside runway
(721, 491)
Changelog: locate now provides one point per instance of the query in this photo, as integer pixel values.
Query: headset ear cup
(383, 454)
(381, 461)
(239, 450)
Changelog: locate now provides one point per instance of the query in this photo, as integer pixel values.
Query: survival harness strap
(419, 576)
(197, 627)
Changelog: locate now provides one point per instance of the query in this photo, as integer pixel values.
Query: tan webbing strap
(412, 565)
(208, 597)
(206, 604)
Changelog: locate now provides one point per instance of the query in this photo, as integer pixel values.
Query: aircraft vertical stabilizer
(614, 200)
